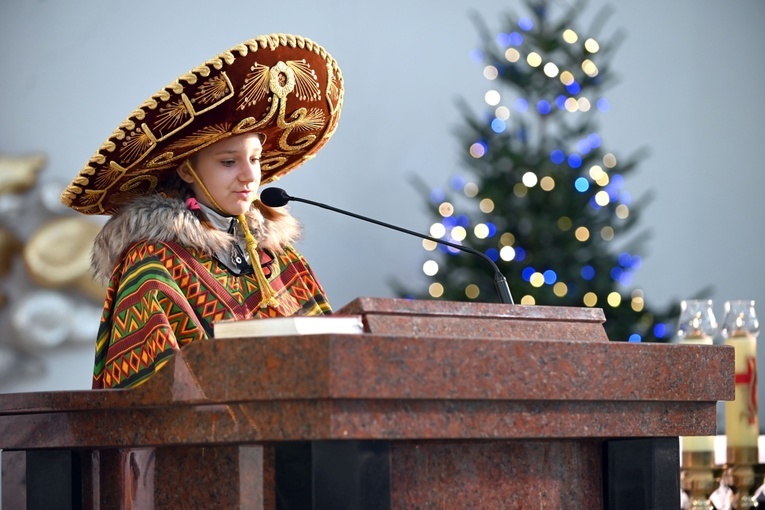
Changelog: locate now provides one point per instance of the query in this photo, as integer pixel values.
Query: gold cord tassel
(266, 291)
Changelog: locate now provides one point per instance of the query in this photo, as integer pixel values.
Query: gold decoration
(282, 80)
(305, 80)
(201, 138)
(255, 86)
(213, 90)
(312, 121)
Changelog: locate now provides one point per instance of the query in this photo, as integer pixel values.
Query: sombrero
(286, 87)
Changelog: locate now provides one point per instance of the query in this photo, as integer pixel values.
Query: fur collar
(157, 218)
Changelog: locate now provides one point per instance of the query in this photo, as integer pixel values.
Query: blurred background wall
(690, 90)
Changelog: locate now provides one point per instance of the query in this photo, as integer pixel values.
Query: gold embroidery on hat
(163, 95)
(288, 127)
(306, 84)
(195, 142)
(138, 181)
(255, 86)
(163, 136)
(212, 90)
(97, 158)
(313, 120)
(139, 143)
(163, 160)
(271, 41)
(110, 174)
(135, 144)
(226, 90)
(333, 89)
(245, 125)
(272, 163)
(200, 138)
(183, 111)
(284, 78)
(334, 100)
(92, 196)
(171, 115)
(281, 79)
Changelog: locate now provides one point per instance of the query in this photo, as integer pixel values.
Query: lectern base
(628, 474)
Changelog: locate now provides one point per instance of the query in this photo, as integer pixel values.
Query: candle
(741, 422)
(693, 444)
(697, 325)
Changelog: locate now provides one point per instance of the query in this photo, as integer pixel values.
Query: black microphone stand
(500, 282)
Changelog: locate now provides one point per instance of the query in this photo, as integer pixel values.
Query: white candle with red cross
(741, 423)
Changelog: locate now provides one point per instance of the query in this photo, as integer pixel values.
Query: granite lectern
(437, 405)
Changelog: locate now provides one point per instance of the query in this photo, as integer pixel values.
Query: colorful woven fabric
(164, 296)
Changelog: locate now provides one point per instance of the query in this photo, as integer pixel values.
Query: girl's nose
(251, 171)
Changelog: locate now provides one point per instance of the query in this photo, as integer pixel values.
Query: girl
(188, 243)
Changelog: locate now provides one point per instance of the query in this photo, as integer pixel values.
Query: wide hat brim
(285, 87)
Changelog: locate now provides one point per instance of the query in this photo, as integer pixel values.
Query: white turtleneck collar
(219, 221)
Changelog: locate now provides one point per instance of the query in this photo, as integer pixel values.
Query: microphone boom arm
(500, 282)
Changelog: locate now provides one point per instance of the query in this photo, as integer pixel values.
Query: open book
(285, 326)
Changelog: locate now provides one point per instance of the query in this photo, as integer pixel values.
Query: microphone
(277, 197)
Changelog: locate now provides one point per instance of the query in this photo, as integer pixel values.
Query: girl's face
(230, 170)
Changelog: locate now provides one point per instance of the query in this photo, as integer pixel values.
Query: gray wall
(691, 91)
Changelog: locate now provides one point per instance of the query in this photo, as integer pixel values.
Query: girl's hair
(175, 187)
(269, 213)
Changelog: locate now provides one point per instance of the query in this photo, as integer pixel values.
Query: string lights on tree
(541, 194)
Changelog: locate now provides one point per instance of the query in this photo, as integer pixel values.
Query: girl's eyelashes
(231, 162)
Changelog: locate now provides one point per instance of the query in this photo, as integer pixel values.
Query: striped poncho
(165, 289)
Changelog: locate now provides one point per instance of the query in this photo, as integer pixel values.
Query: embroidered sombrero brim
(286, 87)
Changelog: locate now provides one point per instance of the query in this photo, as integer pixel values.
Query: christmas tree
(542, 196)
